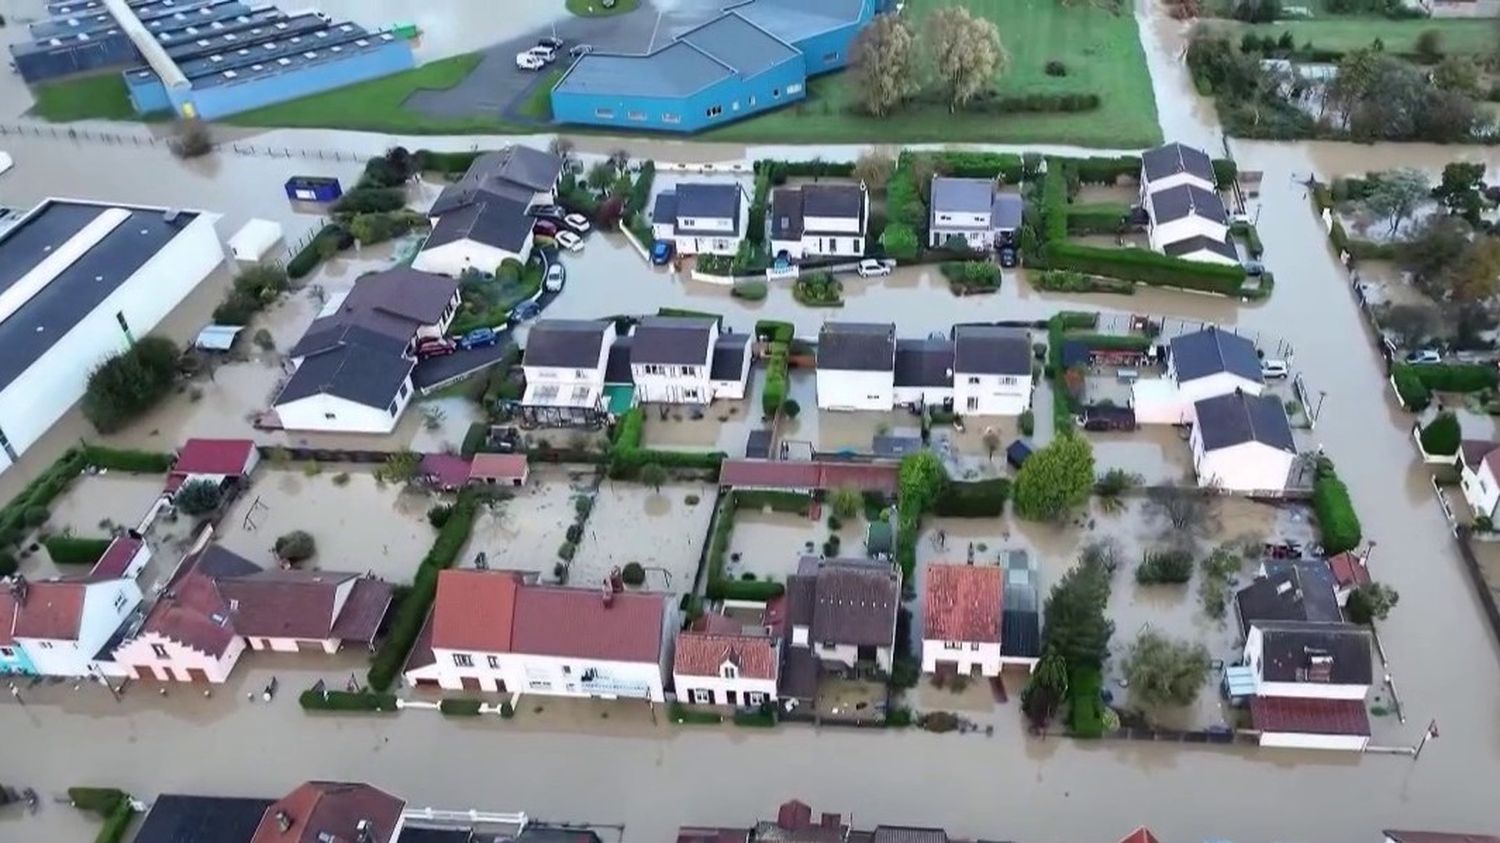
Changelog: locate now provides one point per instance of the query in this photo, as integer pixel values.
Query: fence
(108, 137)
(1463, 537)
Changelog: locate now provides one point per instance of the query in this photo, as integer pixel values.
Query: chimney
(832, 821)
(609, 593)
(283, 821)
(616, 580)
(18, 589)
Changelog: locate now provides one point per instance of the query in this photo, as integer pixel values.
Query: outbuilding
(1242, 443)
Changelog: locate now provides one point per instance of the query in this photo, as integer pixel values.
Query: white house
(975, 211)
(856, 366)
(1203, 364)
(564, 363)
(1479, 476)
(187, 636)
(843, 611)
(671, 359)
(482, 220)
(962, 606)
(64, 624)
(1175, 165)
(923, 374)
(353, 366)
(727, 669)
(1242, 443)
(702, 219)
(488, 631)
(1310, 681)
(991, 370)
(84, 281)
(819, 221)
(1191, 223)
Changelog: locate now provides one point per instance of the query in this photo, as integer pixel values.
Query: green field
(538, 104)
(1399, 36)
(100, 97)
(1101, 50)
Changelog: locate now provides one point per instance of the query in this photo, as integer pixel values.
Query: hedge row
(314, 700)
(720, 587)
(625, 465)
(460, 707)
(773, 395)
(308, 258)
(135, 462)
(797, 503)
(413, 610)
(1452, 377)
(99, 800)
(1337, 520)
(1096, 219)
(69, 550)
(1146, 267)
(1103, 170)
(38, 495)
(1414, 394)
(640, 190)
(1006, 166)
(771, 330)
(443, 162)
(116, 824)
(972, 499)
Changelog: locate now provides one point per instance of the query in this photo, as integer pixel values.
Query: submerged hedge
(71, 550)
(1337, 520)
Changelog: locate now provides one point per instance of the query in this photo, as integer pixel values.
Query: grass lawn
(100, 97)
(538, 103)
(1351, 33)
(1102, 52)
(377, 105)
(595, 8)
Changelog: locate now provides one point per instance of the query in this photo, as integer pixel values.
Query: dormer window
(729, 671)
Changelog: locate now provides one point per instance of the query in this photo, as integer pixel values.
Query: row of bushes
(1451, 377)
(1414, 394)
(972, 499)
(71, 550)
(1036, 103)
(771, 330)
(330, 700)
(328, 241)
(966, 277)
(1068, 281)
(253, 290)
(460, 707)
(413, 610)
(720, 587)
(1147, 267)
(798, 503)
(34, 499)
(1337, 521)
(134, 462)
(627, 457)
(774, 392)
(1096, 219)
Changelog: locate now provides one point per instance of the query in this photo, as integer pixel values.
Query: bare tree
(884, 58)
(966, 53)
(193, 139)
(561, 147)
(1189, 511)
(874, 168)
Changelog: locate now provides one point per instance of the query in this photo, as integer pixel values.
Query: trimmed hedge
(773, 394)
(693, 716)
(312, 700)
(308, 258)
(39, 493)
(116, 824)
(1085, 708)
(1006, 166)
(1099, 169)
(1226, 172)
(459, 707)
(99, 800)
(1146, 267)
(966, 277)
(761, 719)
(69, 550)
(1414, 394)
(972, 499)
(1337, 521)
(1454, 377)
(771, 330)
(1096, 219)
(797, 503)
(754, 590)
(136, 462)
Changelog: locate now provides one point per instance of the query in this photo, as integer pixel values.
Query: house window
(702, 696)
(604, 113)
(715, 110)
(775, 93)
(752, 100)
(540, 685)
(973, 381)
(735, 106)
(671, 118)
(830, 57)
(120, 602)
(828, 646)
(403, 391)
(159, 650)
(635, 115)
(945, 218)
(46, 645)
(794, 88)
(1009, 380)
(7, 653)
(755, 698)
(392, 409)
(493, 661)
(567, 670)
(463, 660)
(729, 672)
(953, 645)
(974, 645)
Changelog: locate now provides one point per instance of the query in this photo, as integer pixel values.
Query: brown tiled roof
(1348, 569)
(51, 610)
(962, 603)
(193, 614)
(473, 610)
(498, 467)
(284, 604)
(334, 809)
(554, 621)
(704, 654)
(1310, 716)
(362, 612)
(1439, 837)
(116, 558)
(855, 601)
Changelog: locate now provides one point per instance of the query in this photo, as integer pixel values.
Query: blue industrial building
(218, 57)
(755, 56)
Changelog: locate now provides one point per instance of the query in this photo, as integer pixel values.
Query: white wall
(31, 403)
(583, 377)
(978, 239)
(292, 645)
(993, 395)
(1174, 180)
(734, 390)
(794, 248)
(727, 245)
(138, 655)
(1247, 467)
(1208, 256)
(1480, 489)
(1184, 228)
(1297, 740)
(330, 413)
(1219, 383)
(719, 688)
(101, 618)
(922, 394)
(840, 389)
(983, 655)
(548, 675)
(674, 384)
(848, 655)
(1300, 690)
(452, 259)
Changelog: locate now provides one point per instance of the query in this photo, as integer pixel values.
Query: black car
(547, 212)
(1008, 257)
(1100, 418)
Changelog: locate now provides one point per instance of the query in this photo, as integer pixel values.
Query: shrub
(972, 276)
(772, 331)
(633, 573)
(1173, 566)
(127, 385)
(899, 241)
(7, 563)
(574, 533)
(846, 501)
(818, 289)
(831, 547)
(36, 516)
(1441, 436)
(307, 259)
(1055, 67)
(1337, 520)
(798, 503)
(1453, 377)
(754, 590)
(972, 499)
(1414, 394)
(749, 290)
(1085, 707)
(763, 718)
(198, 497)
(790, 408)
(460, 707)
(898, 718)
(1026, 423)
(296, 546)
(99, 800)
(566, 550)
(1144, 266)
(439, 514)
(370, 200)
(773, 393)
(1429, 45)
(68, 550)
(939, 721)
(135, 462)
(327, 700)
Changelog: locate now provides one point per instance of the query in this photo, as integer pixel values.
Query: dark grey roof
(384, 309)
(1178, 248)
(30, 332)
(786, 214)
(176, 818)
(1290, 652)
(1228, 420)
(564, 343)
(857, 346)
(1186, 200)
(1211, 351)
(729, 357)
(740, 44)
(1176, 158)
(839, 201)
(530, 167)
(924, 362)
(855, 600)
(696, 201)
(617, 368)
(664, 209)
(1020, 633)
(673, 340)
(499, 222)
(1006, 211)
(488, 205)
(990, 350)
(352, 372)
(217, 561)
(674, 71)
(415, 834)
(908, 834)
(758, 445)
(1285, 594)
(964, 196)
(799, 676)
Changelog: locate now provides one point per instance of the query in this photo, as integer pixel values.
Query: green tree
(1458, 74)
(296, 546)
(1441, 435)
(1475, 277)
(1461, 189)
(653, 475)
(1075, 626)
(790, 408)
(1433, 248)
(125, 386)
(1163, 671)
(197, 497)
(883, 61)
(1046, 689)
(965, 51)
(400, 467)
(1055, 480)
(921, 479)
(1371, 602)
(900, 241)
(846, 501)
(633, 573)
(1397, 194)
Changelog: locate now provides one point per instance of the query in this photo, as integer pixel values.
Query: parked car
(661, 252)
(1008, 257)
(556, 275)
(1424, 355)
(546, 228)
(577, 222)
(1102, 418)
(435, 347)
(529, 61)
(525, 310)
(546, 212)
(581, 50)
(568, 240)
(551, 41)
(478, 338)
(871, 268)
(1273, 370)
(546, 54)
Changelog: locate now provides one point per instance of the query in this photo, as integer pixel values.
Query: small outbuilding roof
(254, 239)
(1300, 715)
(1193, 245)
(214, 456)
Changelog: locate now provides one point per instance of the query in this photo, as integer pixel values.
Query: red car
(546, 228)
(436, 347)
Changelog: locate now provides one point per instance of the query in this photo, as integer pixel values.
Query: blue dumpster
(313, 188)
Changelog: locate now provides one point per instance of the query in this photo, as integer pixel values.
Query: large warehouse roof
(78, 254)
(675, 70)
(796, 20)
(740, 44)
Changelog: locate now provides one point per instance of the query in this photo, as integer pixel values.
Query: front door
(732, 697)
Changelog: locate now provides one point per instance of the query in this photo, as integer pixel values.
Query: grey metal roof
(672, 340)
(729, 357)
(673, 71)
(786, 214)
(564, 343)
(839, 201)
(1187, 200)
(1006, 211)
(798, 20)
(989, 350)
(740, 44)
(1288, 650)
(353, 372)
(1234, 419)
(1289, 593)
(857, 346)
(711, 201)
(29, 333)
(1020, 633)
(179, 818)
(1211, 351)
(384, 310)
(924, 363)
(854, 602)
(963, 196)
(1178, 248)
(1176, 158)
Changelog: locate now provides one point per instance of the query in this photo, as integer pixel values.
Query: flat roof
(675, 70)
(262, 62)
(82, 285)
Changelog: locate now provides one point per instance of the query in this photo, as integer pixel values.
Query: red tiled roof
(703, 654)
(1310, 716)
(284, 604)
(193, 614)
(7, 617)
(962, 603)
(447, 470)
(116, 558)
(498, 467)
(473, 610)
(1348, 569)
(1140, 835)
(789, 474)
(334, 809)
(51, 610)
(213, 456)
(1439, 837)
(575, 622)
(866, 477)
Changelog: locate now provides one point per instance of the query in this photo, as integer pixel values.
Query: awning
(1240, 680)
(256, 238)
(217, 337)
